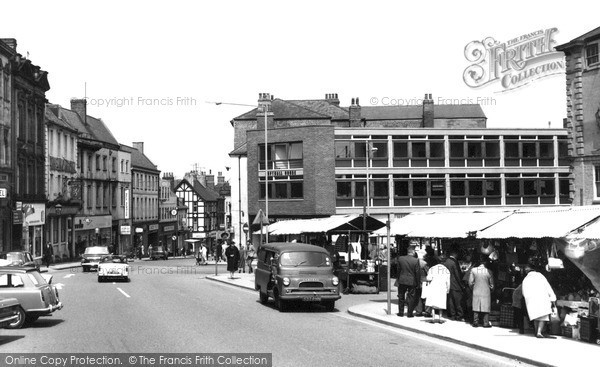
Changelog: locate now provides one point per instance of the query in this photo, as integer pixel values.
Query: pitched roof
(204, 192)
(241, 150)
(595, 33)
(139, 159)
(323, 109)
(93, 128)
(52, 118)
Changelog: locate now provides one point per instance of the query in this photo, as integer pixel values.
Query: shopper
(481, 282)
(48, 254)
(457, 288)
(539, 298)
(438, 286)
(233, 259)
(408, 281)
(518, 309)
(250, 254)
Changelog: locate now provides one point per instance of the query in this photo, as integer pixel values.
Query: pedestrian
(481, 282)
(430, 261)
(457, 288)
(203, 254)
(250, 254)
(438, 286)
(518, 309)
(150, 251)
(48, 254)
(233, 259)
(423, 269)
(539, 299)
(243, 252)
(408, 281)
(219, 254)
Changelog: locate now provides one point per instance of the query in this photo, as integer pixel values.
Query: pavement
(77, 264)
(508, 343)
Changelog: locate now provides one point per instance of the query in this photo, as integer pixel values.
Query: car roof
(292, 246)
(14, 252)
(17, 269)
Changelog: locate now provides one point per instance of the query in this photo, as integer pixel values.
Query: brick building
(324, 159)
(583, 114)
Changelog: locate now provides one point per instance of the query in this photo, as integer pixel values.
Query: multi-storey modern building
(582, 56)
(145, 178)
(24, 92)
(323, 159)
(63, 194)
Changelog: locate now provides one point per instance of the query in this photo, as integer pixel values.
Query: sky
(149, 67)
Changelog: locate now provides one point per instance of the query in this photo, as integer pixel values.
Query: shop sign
(126, 203)
(198, 235)
(92, 222)
(153, 227)
(125, 230)
(3, 193)
(169, 229)
(282, 172)
(17, 217)
(139, 230)
(34, 214)
(174, 238)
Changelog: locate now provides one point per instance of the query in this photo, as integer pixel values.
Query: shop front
(32, 235)
(124, 245)
(168, 237)
(92, 230)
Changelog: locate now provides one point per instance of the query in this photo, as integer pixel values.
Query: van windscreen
(305, 259)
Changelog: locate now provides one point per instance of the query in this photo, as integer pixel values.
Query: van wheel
(18, 323)
(263, 297)
(281, 305)
(329, 305)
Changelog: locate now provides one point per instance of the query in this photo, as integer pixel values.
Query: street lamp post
(368, 150)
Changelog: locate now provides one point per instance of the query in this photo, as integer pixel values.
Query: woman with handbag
(539, 298)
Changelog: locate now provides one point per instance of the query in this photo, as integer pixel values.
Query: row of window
(146, 182)
(30, 178)
(31, 122)
(4, 146)
(439, 189)
(145, 208)
(57, 228)
(281, 155)
(591, 54)
(460, 152)
(61, 145)
(165, 213)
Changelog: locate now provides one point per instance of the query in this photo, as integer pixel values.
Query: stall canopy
(335, 223)
(443, 224)
(553, 223)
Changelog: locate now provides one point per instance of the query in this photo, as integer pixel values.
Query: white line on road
(69, 275)
(461, 348)
(125, 294)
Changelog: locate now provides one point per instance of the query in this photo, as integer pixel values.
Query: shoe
(487, 326)
(400, 314)
(461, 319)
(540, 336)
(409, 316)
(548, 336)
(475, 325)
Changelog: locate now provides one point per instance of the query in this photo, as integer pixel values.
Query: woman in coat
(233, 259)
(481, 282)
(539, 299)
(438, 286)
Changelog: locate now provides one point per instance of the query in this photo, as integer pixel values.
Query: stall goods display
(588, 329)
(506, 316)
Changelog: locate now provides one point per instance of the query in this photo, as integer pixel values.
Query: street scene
(319, 184)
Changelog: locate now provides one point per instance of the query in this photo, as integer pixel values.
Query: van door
(262, 275)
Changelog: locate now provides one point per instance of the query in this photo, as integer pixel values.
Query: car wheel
(85, 269)
(30, 318)
(263, 297)
(18, 323)
(329, 305)
(99, 279)
(281, 304)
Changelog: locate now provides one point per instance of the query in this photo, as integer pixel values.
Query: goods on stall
(588, 329)
(506, 316)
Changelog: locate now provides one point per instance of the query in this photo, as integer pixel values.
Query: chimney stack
(220, 178)
(428, 111)
(79, 106)
(210, 180)
(264, 106)
(332, 98)
(355, 114)
(139, 145)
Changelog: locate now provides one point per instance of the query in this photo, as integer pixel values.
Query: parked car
(296, 272)
(92, 256)
(20, 258)
(158, 252)
(113, 267)
(9, 311)
(36, 294)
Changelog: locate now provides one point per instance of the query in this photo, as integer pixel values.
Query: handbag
(553, 261)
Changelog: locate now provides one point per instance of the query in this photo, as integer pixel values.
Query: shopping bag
(553, 261)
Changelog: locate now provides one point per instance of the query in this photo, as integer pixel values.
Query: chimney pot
(79, 106)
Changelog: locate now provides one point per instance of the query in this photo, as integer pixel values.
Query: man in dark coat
(48, 254)
(233, 259)
(408, 281)
(457, 288)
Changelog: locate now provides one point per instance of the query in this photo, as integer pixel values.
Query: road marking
(69, 275)
(460, 348)
(59, 286)
(125, 294)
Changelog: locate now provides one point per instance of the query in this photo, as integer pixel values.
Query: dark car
(92, 256)
(20, 258)
(158, 252)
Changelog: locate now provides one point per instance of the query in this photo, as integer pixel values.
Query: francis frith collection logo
(514, 63)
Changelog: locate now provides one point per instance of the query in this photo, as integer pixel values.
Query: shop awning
(335, 223)
(553, 223)
(443, 224)
(192, 240)
(591, 231)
